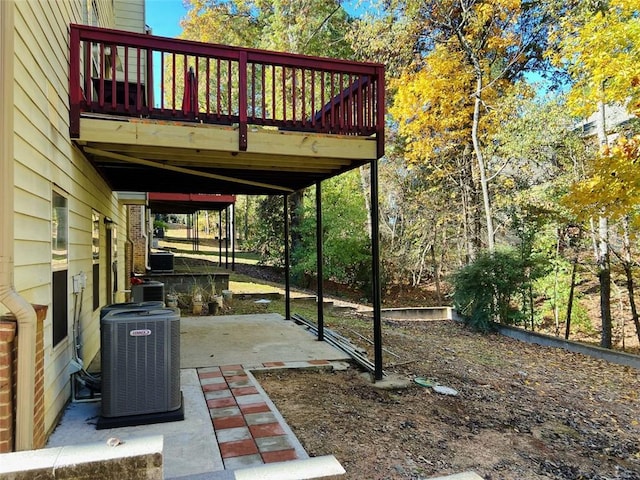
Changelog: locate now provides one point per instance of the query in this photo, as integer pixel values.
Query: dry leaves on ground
(523, 411)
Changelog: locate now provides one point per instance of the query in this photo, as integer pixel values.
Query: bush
(495, 288)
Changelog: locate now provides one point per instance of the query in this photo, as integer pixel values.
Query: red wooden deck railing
(172, 79)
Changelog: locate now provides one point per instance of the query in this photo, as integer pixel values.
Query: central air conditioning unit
(148, 291)
(140, 359)
(161, 262)
(104, 311)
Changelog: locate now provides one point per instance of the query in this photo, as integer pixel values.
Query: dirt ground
(522, 411)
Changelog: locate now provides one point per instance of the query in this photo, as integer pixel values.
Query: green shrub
(495, 288)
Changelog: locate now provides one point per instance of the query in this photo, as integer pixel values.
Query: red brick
(210, 375)
(228, 422)
(279, 456)
(254, 408)
(266, 430)
(238, 448)
(214, 387)
(237, 392)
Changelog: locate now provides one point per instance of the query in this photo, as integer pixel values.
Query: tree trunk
(364, 183)
(471, 222)
(574, 270)
(295, 210)
(246, 217)
(556, 311)
(481, 167)
(602, 258)
(627, 264)
(604, 277)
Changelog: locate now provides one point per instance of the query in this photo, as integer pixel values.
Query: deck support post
(319, 269)
(233, 237)
(287, 259)
(219, 238)
(375, 272)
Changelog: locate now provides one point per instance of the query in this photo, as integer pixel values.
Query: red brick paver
(227, 400)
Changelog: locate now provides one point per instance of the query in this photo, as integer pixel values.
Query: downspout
(18, 306)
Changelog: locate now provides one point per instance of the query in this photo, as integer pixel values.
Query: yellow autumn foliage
(613, 185)
(431, 105)
(600, 50)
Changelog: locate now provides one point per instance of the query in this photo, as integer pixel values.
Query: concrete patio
(230, 423)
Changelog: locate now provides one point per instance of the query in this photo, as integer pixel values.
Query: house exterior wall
(46, 161)
(129, 15)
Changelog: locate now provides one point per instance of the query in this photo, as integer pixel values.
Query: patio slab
(249, 340)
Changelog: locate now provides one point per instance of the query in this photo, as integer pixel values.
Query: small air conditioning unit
(140, 360)
(148, 291)
(161, 262)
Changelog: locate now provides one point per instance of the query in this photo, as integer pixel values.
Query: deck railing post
(380, 110)
(242, 101)
(75, 92)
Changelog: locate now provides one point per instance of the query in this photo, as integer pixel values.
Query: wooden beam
(225, 159)
(148, 163)
(208, 138)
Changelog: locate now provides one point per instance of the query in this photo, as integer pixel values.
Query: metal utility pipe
(17, 305)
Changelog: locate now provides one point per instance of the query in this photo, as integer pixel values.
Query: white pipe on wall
(17, 305)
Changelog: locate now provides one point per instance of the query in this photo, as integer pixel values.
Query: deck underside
(149, 155)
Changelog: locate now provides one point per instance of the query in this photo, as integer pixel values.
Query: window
(95, 251)
(59, 232)
(59, 265)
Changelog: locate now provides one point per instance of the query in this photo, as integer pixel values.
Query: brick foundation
(137, 231)
(9, 333)
(7, 341)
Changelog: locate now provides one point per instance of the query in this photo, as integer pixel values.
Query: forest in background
(510, 183)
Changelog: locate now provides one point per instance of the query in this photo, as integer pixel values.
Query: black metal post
(233, 237)
(219, 238)
(196, 238)
(226, 237)
(320, 273)
(375, 272)
(287, 259)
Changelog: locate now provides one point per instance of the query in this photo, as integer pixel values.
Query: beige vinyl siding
(129, 15)
(46, 159)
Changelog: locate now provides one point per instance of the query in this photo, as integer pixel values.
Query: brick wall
(7, 341)
(137, 230)
(39, 438)
(9, 376)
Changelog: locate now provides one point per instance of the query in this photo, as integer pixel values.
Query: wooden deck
(227, 119)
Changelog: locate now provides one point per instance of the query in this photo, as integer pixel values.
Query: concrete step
(307, 468)
(460, 476)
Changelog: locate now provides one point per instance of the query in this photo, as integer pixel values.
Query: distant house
(614, 116)
(87, 128)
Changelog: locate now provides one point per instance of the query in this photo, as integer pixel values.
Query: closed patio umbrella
(190, 98)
